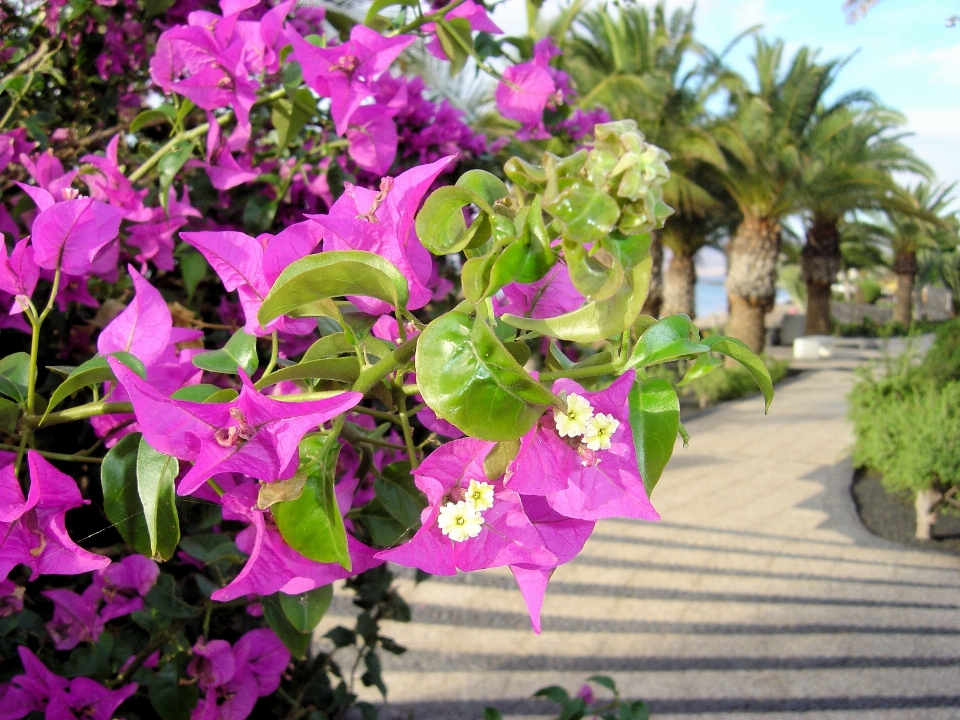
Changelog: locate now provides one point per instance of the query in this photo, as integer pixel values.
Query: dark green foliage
(942, 361)
(870, 290)
(585, 704)
(907, 418)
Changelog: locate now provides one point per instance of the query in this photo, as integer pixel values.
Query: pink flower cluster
(39, 690)
(529, 88)
(221, 61)
(232, 678)
(116, 590)
(544, 507)
(78, 234)
(33, 528)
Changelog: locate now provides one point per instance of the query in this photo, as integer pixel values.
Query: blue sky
(902, 51)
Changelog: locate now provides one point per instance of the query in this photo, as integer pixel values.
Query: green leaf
(562, 360)
(490, 713)
(654, 421)
(150, 117)
(380, 5)
(595, 320)
(193, 269)
(94, 371)
(345, 370)
(306, 610)
(507, 267)
(296, 642)
(15, 376)
(736, 349)
(555, 693)
(211, 547)
(540, 255)
(171, 699)
(222, 396)
(705, 363)
(336, 273)
(519, 350)
(440, 224)
(668, 339)
(627, 249)
(9, 414)
(325, 347)
(196, 393)
(484, 185)
(385, 530)
(475, 277)
(121, 500)
(496, 462)
(240, 351)
(400, 496)
(259, 213)
(155, 475)
(456, 40)
(525, 174)
(312, 524)
(164, 598)
(597, 275)
(586, 214)
(170, 164)
(186, 105)
(289, 116)
(605, 681)
(152, 8)
(468, 378)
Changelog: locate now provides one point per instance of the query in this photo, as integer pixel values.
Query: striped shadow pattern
(759, 595)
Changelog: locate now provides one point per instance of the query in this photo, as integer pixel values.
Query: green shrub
(908, 429)
(869, 291)
(942, 361)
(869, 327)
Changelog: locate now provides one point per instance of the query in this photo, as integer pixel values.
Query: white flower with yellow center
(459, 521)
(480, 495)
(573, 422)
(599, 430)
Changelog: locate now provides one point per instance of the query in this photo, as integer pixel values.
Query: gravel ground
(891, 516)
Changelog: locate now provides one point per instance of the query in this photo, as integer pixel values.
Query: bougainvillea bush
(274, 317)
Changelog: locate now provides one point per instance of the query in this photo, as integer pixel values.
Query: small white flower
(574, 421)
(480, 495)
(459, 521)
(599, 430)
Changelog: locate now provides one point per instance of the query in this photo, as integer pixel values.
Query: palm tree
(764, 141)
(634, 62)
(689, 230)
(927, 225)
(920, 221)
(849, 155)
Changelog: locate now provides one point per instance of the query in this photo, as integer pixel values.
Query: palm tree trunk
(679, 285)
(654, 302)
(905, 267)
(752, 279)
(819, 263)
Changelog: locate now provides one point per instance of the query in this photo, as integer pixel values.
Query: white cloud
(937, 140)
(942, 63)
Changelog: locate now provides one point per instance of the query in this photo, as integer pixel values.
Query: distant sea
(712, 297)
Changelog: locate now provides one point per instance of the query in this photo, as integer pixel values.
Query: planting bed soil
(891, 516)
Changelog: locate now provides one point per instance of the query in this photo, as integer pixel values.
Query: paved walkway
(760, 595)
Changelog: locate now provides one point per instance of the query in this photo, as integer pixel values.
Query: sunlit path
(759, 594)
